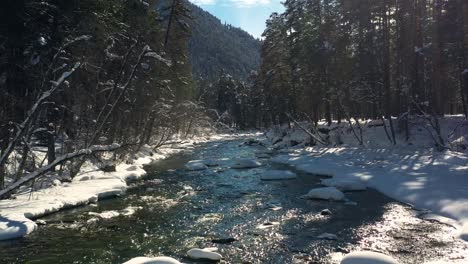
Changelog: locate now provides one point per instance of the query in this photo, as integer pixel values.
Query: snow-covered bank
(89, 186)
(413, 172)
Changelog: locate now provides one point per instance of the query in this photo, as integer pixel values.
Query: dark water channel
(182, 209)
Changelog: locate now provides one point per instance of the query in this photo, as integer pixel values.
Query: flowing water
(255, 221)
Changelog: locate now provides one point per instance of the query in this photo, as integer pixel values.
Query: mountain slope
(215, 47)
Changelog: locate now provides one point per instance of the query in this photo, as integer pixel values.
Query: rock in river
(367, 257)
(196, 165)
(156, 260)
(325, 193)
(206, 253)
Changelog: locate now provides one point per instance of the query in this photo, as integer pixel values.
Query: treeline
(79, 73)
(338, 59)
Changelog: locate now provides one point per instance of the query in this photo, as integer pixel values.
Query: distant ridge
(216, 47)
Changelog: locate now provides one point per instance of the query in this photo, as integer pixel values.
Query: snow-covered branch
(33, 175)
(24, 125)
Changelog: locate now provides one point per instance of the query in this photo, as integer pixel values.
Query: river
(255, 221)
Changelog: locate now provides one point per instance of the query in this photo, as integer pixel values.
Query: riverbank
(17, 215)
(413, 171)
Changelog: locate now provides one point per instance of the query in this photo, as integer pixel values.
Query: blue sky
(249, 15)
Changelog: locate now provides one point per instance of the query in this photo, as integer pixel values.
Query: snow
(314, 169)
(201, 164)
(206, 253)
(367, 257)
(195, 165)
(273, 175)
(156, 260)
(325, 193)
(14, 226)
(413, 171)
(246, 164)
(464, 232)
(345, 185)
(89, 186)
(111, 214)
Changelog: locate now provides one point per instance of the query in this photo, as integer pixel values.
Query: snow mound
(345, 185)
(196, 165)
(206, 253)
(313, 169)
(156, 260)
(464, 232)
(367, 257)
(246, 164)
(325, 193)
(15, 226)
(274, 175)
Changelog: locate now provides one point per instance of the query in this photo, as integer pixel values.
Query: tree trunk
(437, 101)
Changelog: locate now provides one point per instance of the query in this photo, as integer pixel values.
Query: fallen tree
(41, 171)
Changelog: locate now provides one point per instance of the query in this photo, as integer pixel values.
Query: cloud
(237, 3)
(249, 3)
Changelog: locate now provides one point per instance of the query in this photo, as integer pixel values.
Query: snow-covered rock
(327, 236)
(105, 214)
(268, 225)
(156, 260)
(367, 257)
(345, 184)
(196, 165)
(325, 193)
(210, 163)
(246, 164)
(15, 226)
(206, 253)
(274, 175)
(111, 214)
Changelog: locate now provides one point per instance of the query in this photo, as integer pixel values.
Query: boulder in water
(206, 253)
(367, 257)
(325, 193)
(156, 260)
(196, 165)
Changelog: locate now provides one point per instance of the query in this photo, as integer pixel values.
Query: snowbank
(87, 187)
(412, 172)
(314, 169)
(14, 226)
(345, 185)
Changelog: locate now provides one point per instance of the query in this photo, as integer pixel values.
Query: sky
(250, 15)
